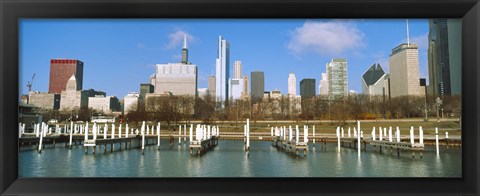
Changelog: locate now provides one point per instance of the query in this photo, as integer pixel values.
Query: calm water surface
(229, 159)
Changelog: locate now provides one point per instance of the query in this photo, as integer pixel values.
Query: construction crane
(30, 83)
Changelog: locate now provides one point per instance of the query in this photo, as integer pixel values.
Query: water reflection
(229, 159)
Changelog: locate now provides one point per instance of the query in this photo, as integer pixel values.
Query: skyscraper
(337, 78)
(222, 72)
(404, 71)
(177, 78)
(323, 85)
(211, 86)
(373, 81)
(245, 86)
(61, 70)
(144, 89)
(444, 56)
(235, 87)
(307, 88)
(257, 85)
(237, 70)
(292, 84)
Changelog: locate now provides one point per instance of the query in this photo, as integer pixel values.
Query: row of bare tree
(174, 109)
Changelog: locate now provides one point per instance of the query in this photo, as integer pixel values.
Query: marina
(201, 140)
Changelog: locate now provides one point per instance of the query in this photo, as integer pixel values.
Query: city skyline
(286, 44)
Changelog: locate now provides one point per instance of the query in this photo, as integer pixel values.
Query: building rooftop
(373, 74)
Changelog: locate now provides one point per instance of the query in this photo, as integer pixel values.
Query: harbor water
(229, 159)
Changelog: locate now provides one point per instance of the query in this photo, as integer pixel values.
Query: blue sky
(118, 55)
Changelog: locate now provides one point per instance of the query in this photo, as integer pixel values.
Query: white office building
(222, 72)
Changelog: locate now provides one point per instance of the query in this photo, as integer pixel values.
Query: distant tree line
(182, 109)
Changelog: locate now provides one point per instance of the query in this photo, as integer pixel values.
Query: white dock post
(19, 130)
(120, 131)
(446, 135)
(94, 131)
(86, 132)
(191, 133)
(56, 129)
(71, 135)
(398, 134)
(185, 133)
(342, 133)
(436, 140)
(36, 129)
(271, 131)
(248, 134)
(380, 138)
(209, 133)
(313, 135)
(296, 136)
(421, 134)
(354, 132)
(245, 133)
(64, 128)
(105, 129)
(390, 134)
(143, 137)
(305, 135)
(218, 131)
(126, 131)
(338, 139)
(373, 133)
(179, 133)
(412, 139)
(113, 132)
(290, 132)
(158, 135)
(40, 143)
(359, 133)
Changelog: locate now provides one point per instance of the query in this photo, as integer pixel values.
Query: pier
(290, 143)
(206, 138)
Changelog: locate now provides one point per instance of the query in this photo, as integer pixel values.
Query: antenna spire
(185, 41)
(408, 35)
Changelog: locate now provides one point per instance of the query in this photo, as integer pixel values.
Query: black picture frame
(12, 10)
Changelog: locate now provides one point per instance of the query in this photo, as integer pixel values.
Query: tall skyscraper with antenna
(404, 70)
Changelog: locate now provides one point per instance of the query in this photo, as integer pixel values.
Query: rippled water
(229, 159)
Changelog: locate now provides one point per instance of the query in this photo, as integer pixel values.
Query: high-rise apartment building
(222, 72)
(237, 70)
(257, 85)
(337, 78)
(323, 85)
(292, 84)
(307, 88)
(60, 72)
(444, 56)
(404, 71)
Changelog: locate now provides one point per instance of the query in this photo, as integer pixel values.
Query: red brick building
(61, 70)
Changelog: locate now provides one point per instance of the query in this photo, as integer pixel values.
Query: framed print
(223, 97)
